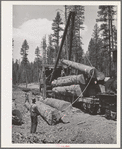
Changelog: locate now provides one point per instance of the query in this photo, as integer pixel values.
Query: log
(72, 90)
(84, 69)
(49, 114)
(70, 80)
(102, 88)
(59, 78)
(26, 89)
(17, 117)
(111, 85)
(58, 104)
(75, 91)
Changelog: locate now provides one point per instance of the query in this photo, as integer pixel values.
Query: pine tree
(95, 49)
(106, 17)
(56, 27)
(50, 50)
(77, 51)
(15, 72)
(44, 45)
(24, 54)
(37, 53)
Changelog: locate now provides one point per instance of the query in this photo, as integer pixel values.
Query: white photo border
(6, 69)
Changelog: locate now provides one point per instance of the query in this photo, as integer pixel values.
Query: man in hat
(34, 115)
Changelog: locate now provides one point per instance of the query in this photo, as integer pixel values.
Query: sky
(33, 22)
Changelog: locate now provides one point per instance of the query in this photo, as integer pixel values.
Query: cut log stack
(48, 113)
(69, 88)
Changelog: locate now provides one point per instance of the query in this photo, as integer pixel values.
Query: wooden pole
(109, 23)
(71, 36)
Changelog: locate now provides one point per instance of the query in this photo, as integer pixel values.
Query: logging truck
(87, 89)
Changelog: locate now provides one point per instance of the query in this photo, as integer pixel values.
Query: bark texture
(70, 80)
(84, 69)
(48, 113)
(58, 104)
(72, 90)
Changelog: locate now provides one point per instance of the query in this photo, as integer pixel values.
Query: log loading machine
(88, 89)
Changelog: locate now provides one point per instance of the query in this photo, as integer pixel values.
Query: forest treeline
(99, 53)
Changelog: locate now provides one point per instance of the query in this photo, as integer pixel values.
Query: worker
(27, 97)
(34, 115)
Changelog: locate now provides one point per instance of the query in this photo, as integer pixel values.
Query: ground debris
(82, 129)
(21, 138)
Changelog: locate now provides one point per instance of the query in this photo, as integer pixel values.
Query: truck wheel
(92, 109)
(107, 113)
(113, 115)
(102, 111)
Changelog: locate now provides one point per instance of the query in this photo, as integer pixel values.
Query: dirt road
(82, 128)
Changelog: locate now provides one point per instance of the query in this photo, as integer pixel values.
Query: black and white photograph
(65, 74)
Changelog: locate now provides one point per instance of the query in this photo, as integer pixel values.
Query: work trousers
(34, 122)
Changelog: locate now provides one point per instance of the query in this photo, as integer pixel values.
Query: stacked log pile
(69, 88)
(48, 113)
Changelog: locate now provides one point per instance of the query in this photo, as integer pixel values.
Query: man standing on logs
(34, 115)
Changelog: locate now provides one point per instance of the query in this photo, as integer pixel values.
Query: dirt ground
(82, 128)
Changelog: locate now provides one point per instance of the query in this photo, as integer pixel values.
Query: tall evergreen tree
(37, 53)
(24, 54)
(15, 72)
(95, 48)
(44, 46)
(106, 17)
(50, 50)
(56, 27)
